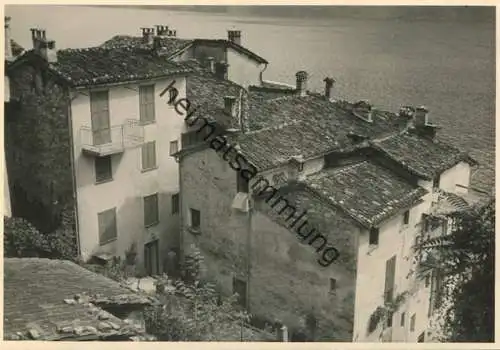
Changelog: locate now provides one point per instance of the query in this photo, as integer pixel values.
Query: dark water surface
(441, 58)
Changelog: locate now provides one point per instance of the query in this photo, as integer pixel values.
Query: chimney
(161, 30)
(328, 87)
(420, 116)
(211, 64)
(230, 105)
(42, 46)
(234, 36)
(301, 78)
(221, 70)
(148, 35)
(8, 44)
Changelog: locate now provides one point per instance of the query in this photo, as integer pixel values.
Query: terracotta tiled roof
(59, 299)
(308, 126)
(206, 92)
(16, 48)
(96, 66)
(421, 156)
(170, 45)
(173, 45)
(365, 191)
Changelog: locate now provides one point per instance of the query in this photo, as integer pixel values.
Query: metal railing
(111, 140)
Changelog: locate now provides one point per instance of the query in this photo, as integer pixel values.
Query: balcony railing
(112, 140)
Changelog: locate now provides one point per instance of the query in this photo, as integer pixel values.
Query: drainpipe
(73, 172)
(261, 78)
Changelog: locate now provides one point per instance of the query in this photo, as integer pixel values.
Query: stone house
(89, 133)
(365, 181)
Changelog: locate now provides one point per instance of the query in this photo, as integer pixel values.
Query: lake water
(445, 63)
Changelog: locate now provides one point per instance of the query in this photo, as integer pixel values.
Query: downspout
(73, 171)
(249, 249)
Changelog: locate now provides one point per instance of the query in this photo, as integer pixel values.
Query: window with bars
(406, 217)
(107, 226)
(103, 169)
(147, 104)
(151, 216)
(149, 155)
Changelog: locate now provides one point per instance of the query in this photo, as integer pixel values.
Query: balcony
(112, 140)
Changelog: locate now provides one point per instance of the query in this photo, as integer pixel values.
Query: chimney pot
(211, 64)
(234, 36)
(230, 105)
(421, 116)
(328, 87)
(301, 82)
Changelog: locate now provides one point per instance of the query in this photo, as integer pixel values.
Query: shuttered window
(149, 155)
(174, 147)
(390, 274)
(107, 226)
(175, 203)
(151, 210)
(147, 104)
(412, 323)
(99, 114)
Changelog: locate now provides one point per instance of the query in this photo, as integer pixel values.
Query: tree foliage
(22, 239)
(466, 258)
(193, 310)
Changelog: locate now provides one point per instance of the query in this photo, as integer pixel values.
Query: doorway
(151, 258)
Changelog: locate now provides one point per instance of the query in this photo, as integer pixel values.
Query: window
(435, 182)
(107, 226)
(240, 288)
(99, 116)
(374, 236)
(151, 210)
(427, 280)
(147, 104)
(389, 319)
(175, 203)
(174, 147)
(402, 319)
(412, 323)
(103, 170)
(172, 95)
(390, 274)
(333, 284)
(406, 217)
(195, 219)
(241, 183)
(149, 155)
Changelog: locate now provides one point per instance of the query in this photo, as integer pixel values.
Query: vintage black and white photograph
(249, 173)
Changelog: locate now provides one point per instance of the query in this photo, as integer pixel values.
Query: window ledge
(108, 241)
(149, 169)
(103, 181)
(371, 248)
(147, 122)
(152, 224)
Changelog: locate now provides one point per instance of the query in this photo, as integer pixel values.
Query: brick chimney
(42, 46)
(8, 44)
(328, 87)
(234, 36)
(420, 116)
(301, 79)
(221, 69)
(148, 35)
(230, 105)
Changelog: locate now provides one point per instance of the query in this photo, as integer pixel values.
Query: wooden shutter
(107, 226)
(99, 112)
(147, 103)
(149, 155)
(390, 274)
(151, 210)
